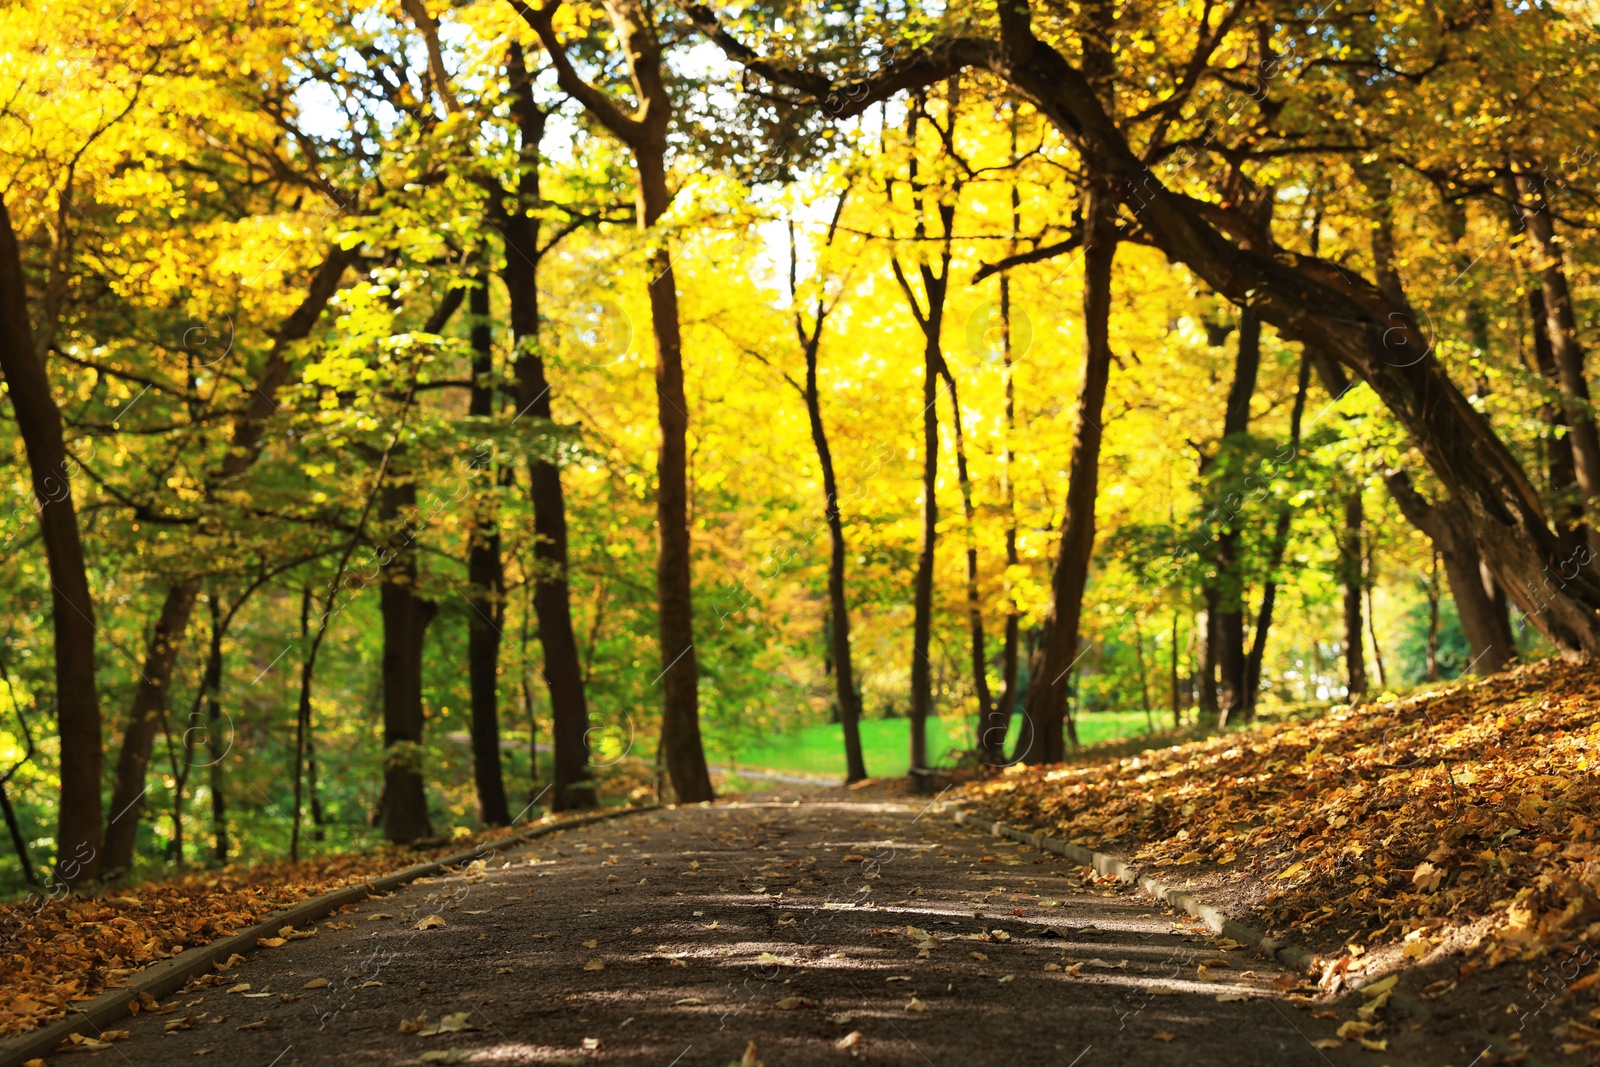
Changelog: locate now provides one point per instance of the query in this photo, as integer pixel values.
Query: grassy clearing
(886, 743)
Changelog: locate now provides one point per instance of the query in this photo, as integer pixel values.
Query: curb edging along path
(162, 978)
(1109, 866)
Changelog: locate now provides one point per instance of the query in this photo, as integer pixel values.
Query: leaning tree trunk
(149, 705)
(486, 588)
(78, 840)
(1308, 299)
(405, 623)
(1312, 301)
(1233, 695)
(1057, 652)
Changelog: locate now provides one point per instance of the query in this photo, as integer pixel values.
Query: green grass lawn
(819, 749)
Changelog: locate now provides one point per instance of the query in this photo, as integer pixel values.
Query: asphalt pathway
(823, 929)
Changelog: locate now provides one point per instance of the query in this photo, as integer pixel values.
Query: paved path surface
(677, 938)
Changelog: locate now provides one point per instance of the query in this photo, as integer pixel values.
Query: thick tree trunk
(1057, 653)
(486, 589)
(552, 600)
(78, 815)
(680, 711)
(155, 680)
(1233, 695)
(1350, 577)
(405, 623)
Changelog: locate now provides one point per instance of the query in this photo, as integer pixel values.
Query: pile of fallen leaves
(1473, 805)
(58, 948)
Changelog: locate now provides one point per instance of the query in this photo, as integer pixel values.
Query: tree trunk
(1370, 579)
(1432, 674)
(1275, 553)
(1561, 469)
(980, 657)
(405, 623)
(552, 601)
(302, 718)
(1205, 663)
(993, 741)
(1233, 695)
(149, 705)
(78, 838)
(1566, 348)
(1177, 705)
(922, 588)
(680, 710)
(848, 700)
(1350, 576)
(1483, 618)
(486, 588)
(215, 748)
(1058, 645)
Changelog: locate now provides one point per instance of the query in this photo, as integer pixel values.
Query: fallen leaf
(1163, 1035)
(916, 1005)
(428, 922)
(848, 1041)
(596, 964)
(454, 1023)
(271, 942)
(259, 1024)
(316, 983)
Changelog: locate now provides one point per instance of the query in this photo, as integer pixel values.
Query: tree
(645, 135)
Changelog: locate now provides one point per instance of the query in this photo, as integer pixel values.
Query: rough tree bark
(645, 134)
(78, 834)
